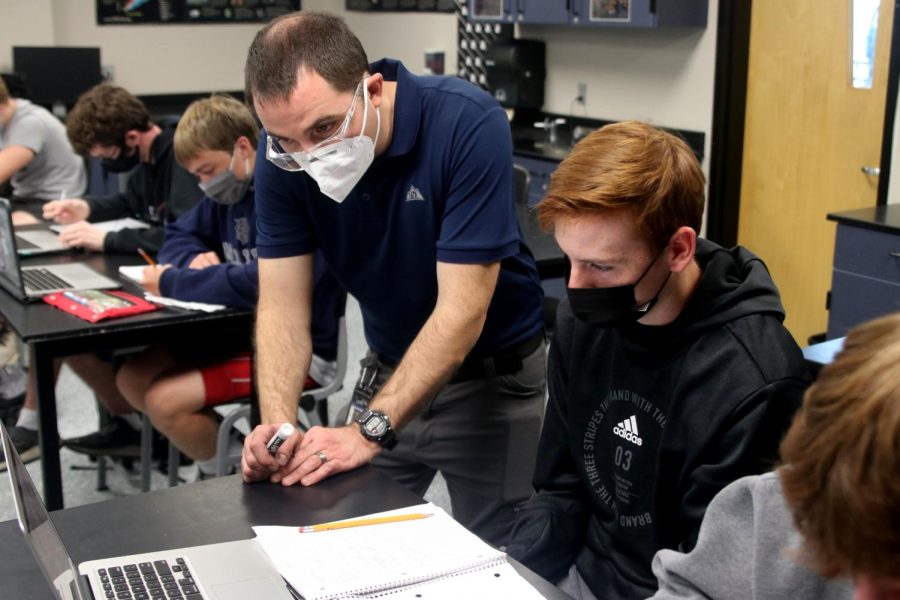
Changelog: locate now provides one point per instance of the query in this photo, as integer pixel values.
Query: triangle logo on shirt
(414, 194)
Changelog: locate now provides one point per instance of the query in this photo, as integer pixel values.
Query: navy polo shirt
(442, 191)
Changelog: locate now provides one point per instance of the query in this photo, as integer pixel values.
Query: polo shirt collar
(407, 105)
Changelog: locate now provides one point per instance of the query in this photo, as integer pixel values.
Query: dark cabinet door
(497, 11)
(639, 13)
(613, 13)
(543, 12)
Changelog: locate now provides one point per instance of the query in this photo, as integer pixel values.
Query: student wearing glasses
(405, 183)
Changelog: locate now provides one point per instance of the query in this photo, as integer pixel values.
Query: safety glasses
(292, 161)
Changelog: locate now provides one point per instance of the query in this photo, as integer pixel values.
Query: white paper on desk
(202, 306)
(378, 559)
(114, 225)
(134, 273)
(490, 583)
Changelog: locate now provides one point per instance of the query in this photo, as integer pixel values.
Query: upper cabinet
(520, 11)
(546, 12)
(592, 13)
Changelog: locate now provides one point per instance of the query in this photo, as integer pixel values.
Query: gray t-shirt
(55, 168)
(748, 549)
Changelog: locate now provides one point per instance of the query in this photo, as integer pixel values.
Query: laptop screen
(10, 277)
(40, 533)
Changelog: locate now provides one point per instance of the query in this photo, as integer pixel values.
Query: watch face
(375, 426)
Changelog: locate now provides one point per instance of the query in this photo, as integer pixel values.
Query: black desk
(51, 333)
(213, 511)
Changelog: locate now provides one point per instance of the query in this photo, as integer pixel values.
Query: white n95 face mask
(338, 167)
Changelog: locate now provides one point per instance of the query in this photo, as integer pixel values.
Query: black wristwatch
(374, 425)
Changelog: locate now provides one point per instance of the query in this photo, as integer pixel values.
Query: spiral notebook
(434, 558)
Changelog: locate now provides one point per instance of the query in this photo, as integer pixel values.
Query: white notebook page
(374, 558)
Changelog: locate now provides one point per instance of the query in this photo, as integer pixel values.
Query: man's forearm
(441, 346)
(283, 353)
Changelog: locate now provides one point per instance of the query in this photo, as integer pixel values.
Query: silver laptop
(38, 241)
(228, 571)
(34, 281)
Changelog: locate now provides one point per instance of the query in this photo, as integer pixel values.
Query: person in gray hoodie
(826, 524)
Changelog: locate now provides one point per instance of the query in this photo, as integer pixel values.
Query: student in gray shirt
(35, 154)
(826, 524)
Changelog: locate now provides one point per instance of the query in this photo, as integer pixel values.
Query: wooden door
(808, 133)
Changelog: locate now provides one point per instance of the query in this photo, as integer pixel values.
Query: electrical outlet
(108, 72)
(582, 92)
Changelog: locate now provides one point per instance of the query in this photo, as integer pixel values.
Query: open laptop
(32, 242)
(34, 281)
(227, 571)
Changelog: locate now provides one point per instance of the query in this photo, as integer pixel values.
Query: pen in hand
(146, 257)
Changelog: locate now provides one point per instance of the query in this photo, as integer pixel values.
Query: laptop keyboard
(42, 279)
(157, 580)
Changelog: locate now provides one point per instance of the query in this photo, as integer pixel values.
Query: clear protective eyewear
(292, 161)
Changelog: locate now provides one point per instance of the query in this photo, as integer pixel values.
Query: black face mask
(606, 306)
(124, 162)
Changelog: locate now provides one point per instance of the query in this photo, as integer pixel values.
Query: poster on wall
(156, 12)
(610, 10)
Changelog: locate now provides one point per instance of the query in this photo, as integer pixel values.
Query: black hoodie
(157, 193)
(645, 424)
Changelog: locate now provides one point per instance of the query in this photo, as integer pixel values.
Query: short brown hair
(317, 41)
(633, 166)
(841, 477)
(103, 115)
(4, 93)
(213, 123)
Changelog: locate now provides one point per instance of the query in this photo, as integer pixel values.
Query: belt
(504, 362)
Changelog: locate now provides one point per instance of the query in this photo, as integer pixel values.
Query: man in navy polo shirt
(405, 183)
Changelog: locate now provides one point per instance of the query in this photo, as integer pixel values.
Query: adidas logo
(414, 194)
(628, 430)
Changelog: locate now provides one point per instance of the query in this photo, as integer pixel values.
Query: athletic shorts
(230, 380)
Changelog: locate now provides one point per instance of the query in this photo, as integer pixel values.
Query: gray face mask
(225, 188)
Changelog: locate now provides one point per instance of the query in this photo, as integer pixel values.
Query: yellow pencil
(146, 257)
(361, 522)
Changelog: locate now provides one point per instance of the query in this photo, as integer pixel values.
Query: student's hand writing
(344, 449)
(256, 462)
(207, 259)
(69, 210)
(151, 276)
(83, 235)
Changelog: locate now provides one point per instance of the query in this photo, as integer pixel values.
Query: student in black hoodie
(670, 374)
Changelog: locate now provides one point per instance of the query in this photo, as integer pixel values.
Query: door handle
(872, 171)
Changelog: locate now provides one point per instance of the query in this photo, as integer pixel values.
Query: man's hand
(83, 235)
(343, 449)
(69, 210)
(207, 259)
(150, 278)
(256, 462)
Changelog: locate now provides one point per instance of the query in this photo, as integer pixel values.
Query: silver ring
(321, 456)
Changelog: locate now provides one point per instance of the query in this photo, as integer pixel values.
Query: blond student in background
(209, 255)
